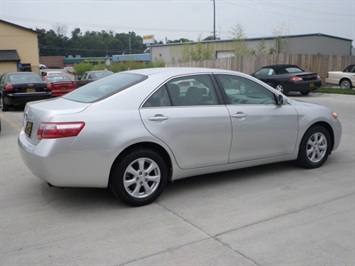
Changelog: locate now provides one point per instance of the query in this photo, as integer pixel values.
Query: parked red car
(60, 84)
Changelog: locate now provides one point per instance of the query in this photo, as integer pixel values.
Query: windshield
(103, 88)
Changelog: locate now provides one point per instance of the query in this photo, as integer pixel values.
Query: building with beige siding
(18, 45)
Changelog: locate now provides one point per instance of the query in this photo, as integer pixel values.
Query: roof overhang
(9, 56)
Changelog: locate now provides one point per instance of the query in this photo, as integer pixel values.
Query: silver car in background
(136, 130)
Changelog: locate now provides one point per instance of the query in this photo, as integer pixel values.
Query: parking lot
(276, 214)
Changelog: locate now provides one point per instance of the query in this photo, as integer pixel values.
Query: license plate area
(28, 129)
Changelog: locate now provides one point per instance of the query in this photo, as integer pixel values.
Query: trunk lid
(29, 87)
(308, 76)
(43, 111)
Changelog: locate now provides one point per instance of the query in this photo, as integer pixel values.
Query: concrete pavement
(275, 214)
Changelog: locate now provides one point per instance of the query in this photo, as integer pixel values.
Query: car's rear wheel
(314, 148)
(4, 106)
(281, 89)
(345, 84)
(139, 177)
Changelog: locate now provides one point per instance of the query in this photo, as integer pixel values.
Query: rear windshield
(25, 78)
(293, 70)
(103, 88)
(57, 79)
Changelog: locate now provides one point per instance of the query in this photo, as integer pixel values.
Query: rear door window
(184, 91)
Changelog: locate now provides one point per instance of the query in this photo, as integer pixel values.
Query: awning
(9, 55)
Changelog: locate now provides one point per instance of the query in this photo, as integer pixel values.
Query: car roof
(96, 71)
(280, 66)
(173, 71)
(21, 73)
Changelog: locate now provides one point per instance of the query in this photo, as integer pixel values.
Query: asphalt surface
(275, 214)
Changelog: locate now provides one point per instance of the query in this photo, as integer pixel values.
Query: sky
(193, 20)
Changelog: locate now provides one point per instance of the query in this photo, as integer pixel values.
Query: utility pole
(214, 19)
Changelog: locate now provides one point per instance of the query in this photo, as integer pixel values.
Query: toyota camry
(134, 131)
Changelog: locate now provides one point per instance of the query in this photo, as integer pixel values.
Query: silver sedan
(136, 130)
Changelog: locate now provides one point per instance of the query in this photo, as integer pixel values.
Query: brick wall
(52, 61)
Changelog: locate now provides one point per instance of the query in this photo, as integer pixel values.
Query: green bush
(115, 67)
(80, 68)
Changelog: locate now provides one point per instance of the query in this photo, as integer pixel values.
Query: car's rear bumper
(48, 161)
(304, 86)
(23, 98)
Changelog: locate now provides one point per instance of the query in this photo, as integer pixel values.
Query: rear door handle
(158, 118)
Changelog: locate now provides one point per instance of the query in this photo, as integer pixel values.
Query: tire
(314, 148)
(4, 106)
(345, 84)
(139, 177)
(281, 89)
(305, 92)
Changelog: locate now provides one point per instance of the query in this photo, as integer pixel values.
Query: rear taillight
(295, 79)
(9, 88)
(55, 130)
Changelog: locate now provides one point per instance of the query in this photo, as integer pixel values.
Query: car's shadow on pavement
(232, 177)
(75, 199)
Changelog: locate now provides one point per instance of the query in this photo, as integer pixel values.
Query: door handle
(239, 115)
(158, 118)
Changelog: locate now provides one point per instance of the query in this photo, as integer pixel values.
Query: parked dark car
(60, 84)
(90, 76)
(18, 88)
(286, 78)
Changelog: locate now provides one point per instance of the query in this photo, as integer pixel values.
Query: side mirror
(280, 99)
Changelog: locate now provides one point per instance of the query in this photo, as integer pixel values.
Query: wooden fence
(248, 64)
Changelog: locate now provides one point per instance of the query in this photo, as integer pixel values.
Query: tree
(240, 45)
(88, 44)
(210, 38)
(260, 48)
(201, 51)
(60, 29)
(179, 40)
(281, 43)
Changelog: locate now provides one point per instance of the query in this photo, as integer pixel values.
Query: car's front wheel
(139, 177)
(314, 148)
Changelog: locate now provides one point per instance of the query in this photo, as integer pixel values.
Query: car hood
(312, 111)
(300, 104)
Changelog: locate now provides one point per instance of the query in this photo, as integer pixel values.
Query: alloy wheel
(316, 147)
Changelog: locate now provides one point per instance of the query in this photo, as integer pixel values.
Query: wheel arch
(346, 78)
(145, 145)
